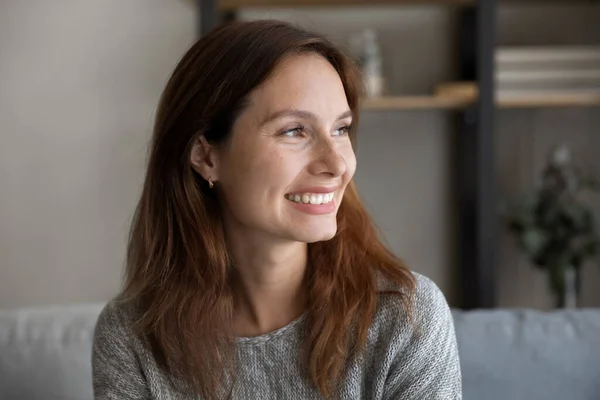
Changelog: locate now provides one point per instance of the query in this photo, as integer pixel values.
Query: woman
(253, 270)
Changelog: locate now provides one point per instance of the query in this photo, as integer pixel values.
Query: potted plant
(555, 228)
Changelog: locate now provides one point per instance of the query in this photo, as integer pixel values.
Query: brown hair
(178, 262)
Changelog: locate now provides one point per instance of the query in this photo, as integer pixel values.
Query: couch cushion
(45, 353)
(526, 354)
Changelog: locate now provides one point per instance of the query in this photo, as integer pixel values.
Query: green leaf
(533, 241)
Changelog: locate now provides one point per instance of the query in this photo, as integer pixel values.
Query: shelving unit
(474, 133)
(232, 5)
(237, 4)
(463, 102)
(415, 103)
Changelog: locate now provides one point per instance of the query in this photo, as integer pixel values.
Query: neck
(269, 284)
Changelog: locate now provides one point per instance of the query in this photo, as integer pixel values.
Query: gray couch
(505, 354)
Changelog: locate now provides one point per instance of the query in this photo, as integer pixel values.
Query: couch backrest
(525, 354)
(45, 353)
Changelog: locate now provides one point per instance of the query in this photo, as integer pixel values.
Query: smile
(311, 198)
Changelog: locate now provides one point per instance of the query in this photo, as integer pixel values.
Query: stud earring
(210, 183)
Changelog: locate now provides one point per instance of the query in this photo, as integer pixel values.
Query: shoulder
(420, 343)
(427, 307)
(429, 299)
(115, 314)
(426, 297)
(114, 325)
(121, 368)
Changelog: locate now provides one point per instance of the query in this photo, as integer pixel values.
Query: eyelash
(300, 128)
(346, 128)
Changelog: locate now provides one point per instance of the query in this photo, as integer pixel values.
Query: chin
(317, 234)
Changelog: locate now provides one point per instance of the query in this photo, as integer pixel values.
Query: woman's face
(283, 172)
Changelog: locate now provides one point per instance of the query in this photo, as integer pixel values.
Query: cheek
(259, 175)
(274, 167)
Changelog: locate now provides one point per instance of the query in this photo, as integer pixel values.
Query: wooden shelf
(462, 102)
(468, 92)
(551, 100)
(236, 4)
(415, 103)
(228, 5)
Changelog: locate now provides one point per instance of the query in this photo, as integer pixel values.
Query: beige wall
(79, 86)
(79, 83)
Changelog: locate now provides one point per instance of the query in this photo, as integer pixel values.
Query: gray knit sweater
(399, 363)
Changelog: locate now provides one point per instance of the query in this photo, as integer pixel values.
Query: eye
(294, 132)
(343, 130)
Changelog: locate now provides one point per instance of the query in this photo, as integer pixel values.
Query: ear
(204, 159)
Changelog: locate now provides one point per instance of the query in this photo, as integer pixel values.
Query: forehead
(305, 82)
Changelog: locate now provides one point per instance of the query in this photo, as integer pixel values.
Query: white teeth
(312, 198)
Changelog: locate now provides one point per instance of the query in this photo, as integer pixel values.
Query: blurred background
(80, 82)
(478, 158)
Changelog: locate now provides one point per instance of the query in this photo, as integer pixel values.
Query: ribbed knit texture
(399, 363)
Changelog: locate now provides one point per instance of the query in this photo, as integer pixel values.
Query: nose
(327, 159)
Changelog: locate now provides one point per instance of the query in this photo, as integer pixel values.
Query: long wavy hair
(179, 266)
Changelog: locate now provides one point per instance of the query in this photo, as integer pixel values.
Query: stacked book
(564, 70)
(539, 72)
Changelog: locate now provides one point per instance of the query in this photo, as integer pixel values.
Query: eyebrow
(298, 113)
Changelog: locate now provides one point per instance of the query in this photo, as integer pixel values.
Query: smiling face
(283, 171)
